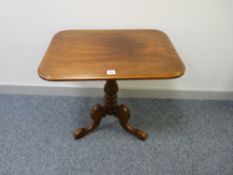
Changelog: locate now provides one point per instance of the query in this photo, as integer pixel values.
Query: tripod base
(110, 107)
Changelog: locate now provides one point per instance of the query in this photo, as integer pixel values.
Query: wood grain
(89, 54)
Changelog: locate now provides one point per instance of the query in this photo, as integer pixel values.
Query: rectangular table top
(110, 54)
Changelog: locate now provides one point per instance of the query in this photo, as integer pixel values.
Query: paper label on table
(111, 72)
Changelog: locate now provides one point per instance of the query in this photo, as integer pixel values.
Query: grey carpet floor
(186, 137)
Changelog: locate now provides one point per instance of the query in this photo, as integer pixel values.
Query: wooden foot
(123, 115)
(97, 113)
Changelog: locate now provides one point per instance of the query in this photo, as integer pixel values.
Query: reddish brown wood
(110, 98)
(123, 115)
(97, 113)
(88, 54)
(110, 108)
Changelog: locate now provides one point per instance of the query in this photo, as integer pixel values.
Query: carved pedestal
(110, 107)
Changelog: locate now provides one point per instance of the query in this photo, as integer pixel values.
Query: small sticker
(111, 72)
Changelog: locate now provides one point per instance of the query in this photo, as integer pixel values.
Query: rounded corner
(41, 75)
(180, 73)
(158, 31)
(60, 33)
(163, 33)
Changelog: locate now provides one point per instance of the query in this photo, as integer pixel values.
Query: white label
(111, 72)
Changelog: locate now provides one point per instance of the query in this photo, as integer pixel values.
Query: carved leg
(123, 115)
(97, 113)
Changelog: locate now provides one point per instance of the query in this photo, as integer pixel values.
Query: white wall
(201, 31)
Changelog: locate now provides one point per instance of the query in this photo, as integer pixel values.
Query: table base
(110, 107)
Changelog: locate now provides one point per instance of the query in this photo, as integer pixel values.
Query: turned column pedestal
(110, 107)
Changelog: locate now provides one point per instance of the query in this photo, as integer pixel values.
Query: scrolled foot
(97, 113)
(81, 132)
(123, 115)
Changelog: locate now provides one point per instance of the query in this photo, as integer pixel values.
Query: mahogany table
(110, 55)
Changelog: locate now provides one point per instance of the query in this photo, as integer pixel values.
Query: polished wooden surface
(130, 54)
(110, 107)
